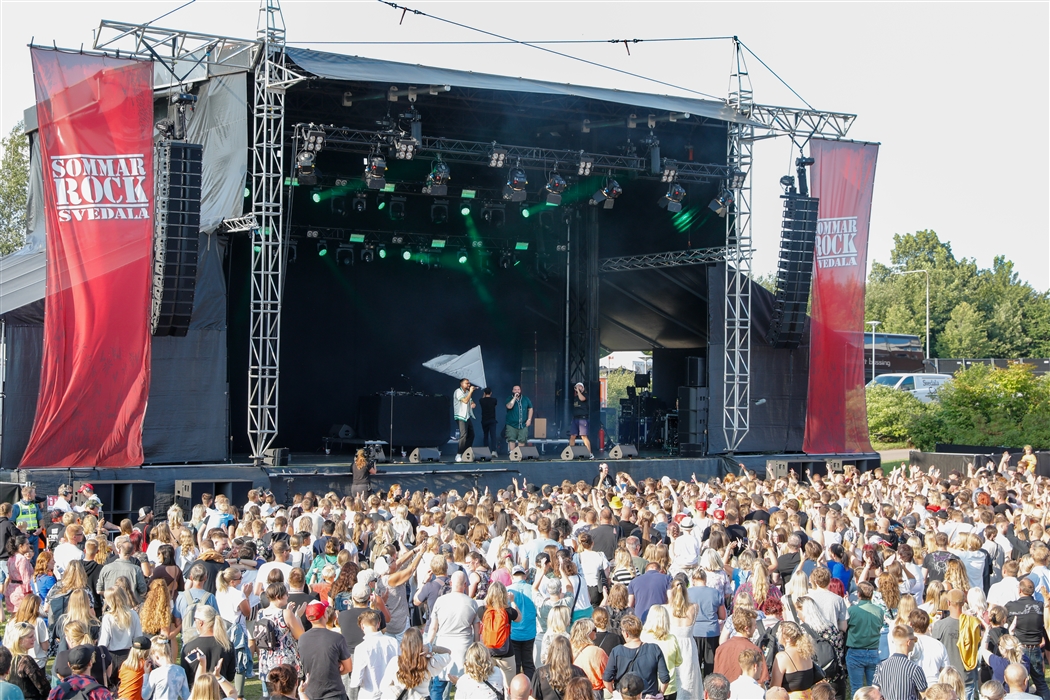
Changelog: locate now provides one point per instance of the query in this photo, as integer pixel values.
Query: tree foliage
(987, 406)
(14, 189)
(974, 312)
(891, 412)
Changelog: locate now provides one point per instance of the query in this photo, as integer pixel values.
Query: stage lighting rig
(494, 214)
(462, 257)
(506, 260)
(397, 208)
(607, 194)
(736, 179)
(514, 190)
(672, 201)
(322, 248)
(670, 171)
(315, 195)
(406, 254)
(368, 254)
(556, 186)
(360, 202)
(497, 156)
(344, 254)
(586, 165)
(525, 213)
(405, 149)
(382, 251)
(465, 208)
(437, 180)
(720, 204)
(305, 169)
(439, 211)
(801, 164)
(375, 172)
(314, 140)
(788, 183)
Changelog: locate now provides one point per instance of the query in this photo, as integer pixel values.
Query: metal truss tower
(272, 79)
(736, 365)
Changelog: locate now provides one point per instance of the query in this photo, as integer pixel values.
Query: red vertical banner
(843, 177)
(96, 139)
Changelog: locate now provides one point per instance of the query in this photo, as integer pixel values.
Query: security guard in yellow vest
(28, 517)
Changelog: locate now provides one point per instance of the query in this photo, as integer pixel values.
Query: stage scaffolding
(190, 57)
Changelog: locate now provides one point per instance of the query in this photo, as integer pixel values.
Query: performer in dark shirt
(580, 411)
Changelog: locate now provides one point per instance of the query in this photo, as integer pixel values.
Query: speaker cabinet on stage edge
(477, 454)
(572, 452)
(424, 454)
(525, 452)
(623, 452)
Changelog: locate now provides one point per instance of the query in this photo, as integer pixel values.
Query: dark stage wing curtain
(24, 335)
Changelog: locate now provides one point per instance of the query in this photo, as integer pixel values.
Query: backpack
(826, 656)
(264, 632)
(495, 631)
(767, 643)
(67, 693)
(189, 632)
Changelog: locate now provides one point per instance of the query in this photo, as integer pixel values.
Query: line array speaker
(794, 271)
(693, 410)
(175, 236)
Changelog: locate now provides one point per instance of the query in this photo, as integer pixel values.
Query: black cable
(406, 10)
(766, 66)
(530, 43)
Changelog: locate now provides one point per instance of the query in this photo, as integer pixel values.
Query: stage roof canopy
(339, 67)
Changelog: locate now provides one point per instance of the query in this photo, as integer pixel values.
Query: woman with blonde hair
(681, 616)
(167, 680)
(187, 550)
(931, 604)
(160, 534)
(26, 673)
(78, 609)
(76, 634)
(955, 576)
(758, 586)
(952, 677)
(209, 686)
(74, 579)
(132, 673)
(793, 668)
(558, 621)
(501, 611)
(481, 679)
(550, 680)
(120, 624)
(408, 676)
(586, 655)
(28, 612)
(657, 630)
(904, 608)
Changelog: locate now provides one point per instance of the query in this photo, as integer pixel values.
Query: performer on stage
(519, 418)
(463, 407)
(488, 421)
(580, 411)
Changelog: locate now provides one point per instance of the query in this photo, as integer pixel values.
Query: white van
(921, 386)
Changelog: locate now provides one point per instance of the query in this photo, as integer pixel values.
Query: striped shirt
(900, 678)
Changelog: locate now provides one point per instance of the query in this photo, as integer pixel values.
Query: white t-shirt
(591, 563)
(263, 574)
(64, 554)
(229, 605)
(469, 689)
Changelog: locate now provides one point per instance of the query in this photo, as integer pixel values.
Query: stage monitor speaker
(641, 380)
(276, 457)
(176, 234)
(424, 454)
(477, 454)
(379, 454)
(623, 452)
(776, 469)
(572, 452)
(695, 371)
(341, 431)
(520, 454)
(834, 466)
(794, 271)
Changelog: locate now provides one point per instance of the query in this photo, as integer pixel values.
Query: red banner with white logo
(843, 177)
(96, 139)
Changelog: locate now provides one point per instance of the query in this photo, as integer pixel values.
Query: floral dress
(287, 651)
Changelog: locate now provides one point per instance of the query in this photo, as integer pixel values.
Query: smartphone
(195, 656)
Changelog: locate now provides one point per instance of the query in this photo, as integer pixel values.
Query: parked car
(922, 386)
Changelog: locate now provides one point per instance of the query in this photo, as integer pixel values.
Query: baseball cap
(86, 487)
(720, 514)
(909, 521)
(361, 593)
(144, 511)
(701, 505)
(316, 610)
(366, 576)
(518, 570)
(143, 643)
(631, 685)
(579, 383)
(81, 656)
(546, 506)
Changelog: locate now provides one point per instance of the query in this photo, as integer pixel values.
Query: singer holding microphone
(463, 408)
(519, 418)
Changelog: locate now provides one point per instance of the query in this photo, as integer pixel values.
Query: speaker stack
(175, 236)
(693, 410)
(794, 271)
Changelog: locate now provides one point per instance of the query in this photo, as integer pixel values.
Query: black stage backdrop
(352, 331)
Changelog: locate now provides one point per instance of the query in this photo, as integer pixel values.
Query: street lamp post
(873, 324)
(927, 273)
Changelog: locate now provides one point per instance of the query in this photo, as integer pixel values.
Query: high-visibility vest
(27, 514)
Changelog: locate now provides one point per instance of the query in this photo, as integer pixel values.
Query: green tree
(890, 413)
(965, 334)
(14, 189)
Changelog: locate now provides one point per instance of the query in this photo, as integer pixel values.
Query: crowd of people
(824, 587)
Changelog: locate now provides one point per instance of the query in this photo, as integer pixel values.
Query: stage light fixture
(670, 171)
(397, 208)
(494, 214)
(315, 195)
(305, 170)
(406, 253)
(247, 192)
(672, 201)
(360, 202)
(521, 245)
(505, 260)
(514, 190)
(437, 180)
(788, 183)
(375, 172)
(339, 182)
(405, 149)
(368, 254)
(344, 254)
(464, 209)
(314, 140)
(338, 204)
(397, 239)
(322, 248)
(382, 251)
(438, 242)
(720, 204)
(497, 157)
(556, 186)
(462, 257)
(381, 203)
(736, 179)
(293, 253)
(586, 165)
(357, 238)
(439, 211)
(312, 234)
(525, 213)
(607, 194)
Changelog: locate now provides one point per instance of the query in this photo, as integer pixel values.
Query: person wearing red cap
(324, 654)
